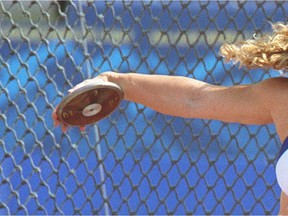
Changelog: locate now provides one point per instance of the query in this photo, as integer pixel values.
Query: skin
(265, 102)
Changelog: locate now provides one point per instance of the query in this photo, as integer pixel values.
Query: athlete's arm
(261, 103)
(190, 98)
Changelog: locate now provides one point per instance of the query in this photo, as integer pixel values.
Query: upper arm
(248, 104)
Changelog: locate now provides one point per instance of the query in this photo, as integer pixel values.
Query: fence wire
(135, 161)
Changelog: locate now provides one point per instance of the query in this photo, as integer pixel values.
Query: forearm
(169, 95)
(190, 98)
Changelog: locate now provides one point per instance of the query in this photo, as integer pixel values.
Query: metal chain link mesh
(136, 161)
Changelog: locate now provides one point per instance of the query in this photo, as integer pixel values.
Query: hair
(269, 51)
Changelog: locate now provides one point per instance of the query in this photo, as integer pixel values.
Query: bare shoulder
(275, 84)
(275, 93)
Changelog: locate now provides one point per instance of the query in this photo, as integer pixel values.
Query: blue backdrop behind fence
(153, 164)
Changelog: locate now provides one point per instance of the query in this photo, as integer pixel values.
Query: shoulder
(275, 84)
(275, 93)
(272, 93)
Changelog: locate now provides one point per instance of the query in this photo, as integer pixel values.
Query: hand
(57, 122)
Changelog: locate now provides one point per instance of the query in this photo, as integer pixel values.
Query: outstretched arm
(261, 103)
(190, 98)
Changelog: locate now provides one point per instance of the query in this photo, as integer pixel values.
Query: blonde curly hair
(267, 51)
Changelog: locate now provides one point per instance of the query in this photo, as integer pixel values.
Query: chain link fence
(135, 161)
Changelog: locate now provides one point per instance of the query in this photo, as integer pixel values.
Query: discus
(89, 104)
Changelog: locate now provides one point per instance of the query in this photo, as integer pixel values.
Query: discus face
(89, 104)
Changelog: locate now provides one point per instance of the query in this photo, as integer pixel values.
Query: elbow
(192, 107)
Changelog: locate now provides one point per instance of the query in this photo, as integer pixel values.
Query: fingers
(82, 128)
(55, 118)
(57, 122)
(100, 79)
(64, 127)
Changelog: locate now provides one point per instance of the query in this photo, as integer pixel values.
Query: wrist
(116, 78)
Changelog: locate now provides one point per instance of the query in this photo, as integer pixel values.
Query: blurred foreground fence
(136, 161)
